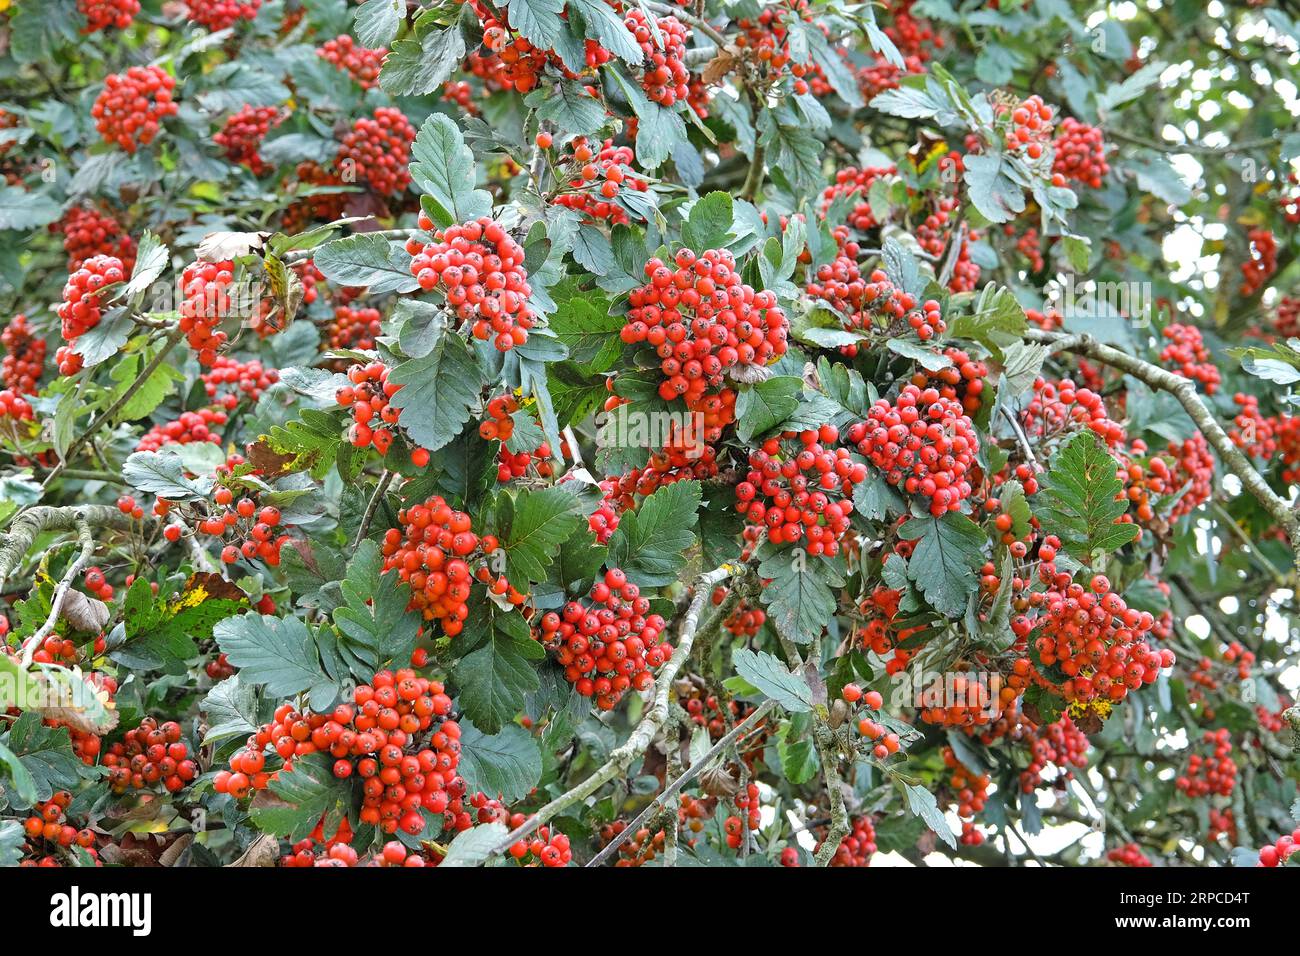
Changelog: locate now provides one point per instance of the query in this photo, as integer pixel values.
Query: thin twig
(670, 791)
(373, 504)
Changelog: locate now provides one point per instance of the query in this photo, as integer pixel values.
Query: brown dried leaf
(717, 68)
(717, 781)
(263, 851)
(215, 585)
(84, 613)
(270, 463)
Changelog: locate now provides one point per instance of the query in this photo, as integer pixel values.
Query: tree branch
(15, 543)
(1183, 390)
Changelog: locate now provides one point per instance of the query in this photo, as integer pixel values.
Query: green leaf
(40, 28)
(495, 677)
(709, 225)
(764, 406)
(23, 783)
(540, 523)
(314, 440)
(13, 840)
(46, 755)
(296, 801)
(366, 261)
(607, 27)
(442, 167)
(583, 323)
(375, 624)
(770, 676)
(151, 259)
(231, 709)
(377, 21)
(149, 394)
(992, 190)
(276, 653)
(797, 750)
(21, 209)
(161, 473)
(507, 764)
(473, 846)
(415, 67)
(1076, 500)
(799, 596)
(947, 553)
(567, 103)
(651, 543)
(921, 803)
(437, 392)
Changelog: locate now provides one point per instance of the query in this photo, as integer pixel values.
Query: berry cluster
(1276, 854)
(480, 269)
(598, 179)
(499, 425)
(368, 398)
(378, 150)
(1128, 855)
(665, 77)
(747, 802)
(801, 490)
(241, 137)
(432, 552)
(608, 642)
(702, 319)
(855, 184)
(1261, 265)
(882, 742)
(859, 846)
(1031, 127)
(1253, 432)
(1094, 638)
(102, 14)
(386, 736)
(229, 380)
(208, 301)
(48, 827)
(130, 110)
(149, 754)
(548, 847)
(971, 791)
(220, 14)
(354, 328)
(1187, 354)
(1058, 408)
(1212, 773)
(923, 443)
(1080, 153)
(961, 381)
(249, 531)
(874, 304)
(24, 360)
(82, 309)
(87, 232)
(359, 62)
(200, 426)
(97, 585)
